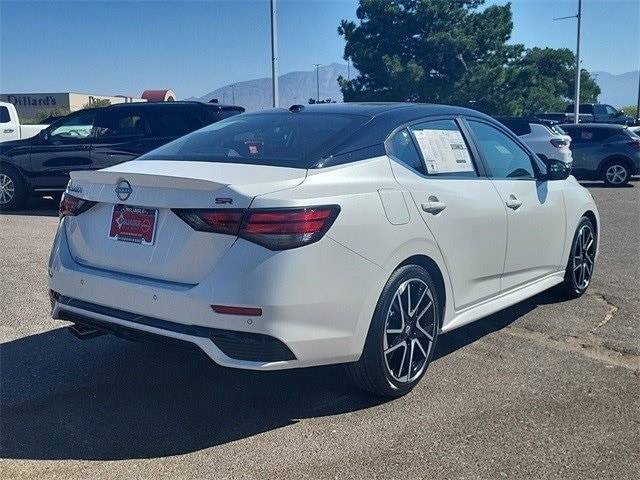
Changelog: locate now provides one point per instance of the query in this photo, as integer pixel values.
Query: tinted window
(4, 115)
(443, 149)
(401, 148)
(610, 110)
(222, 114)
(175, 122)
(282, 139)
(76, 125)
(517, 127)
(503, 157)
(119, 123)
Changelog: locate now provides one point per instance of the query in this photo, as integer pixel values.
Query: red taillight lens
(291, 228)
(71, 206)
(217, 221)
(231, 310)
(559, 143)
(274, 229)
(635, 143)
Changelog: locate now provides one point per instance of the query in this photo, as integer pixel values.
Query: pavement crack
(584, 347)
(609, 315)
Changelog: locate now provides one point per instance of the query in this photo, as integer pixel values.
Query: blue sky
(194, 47)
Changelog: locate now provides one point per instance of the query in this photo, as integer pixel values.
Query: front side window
(611, 111)
(503, 157)
(74, 126)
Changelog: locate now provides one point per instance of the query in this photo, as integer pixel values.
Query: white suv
(544, 137)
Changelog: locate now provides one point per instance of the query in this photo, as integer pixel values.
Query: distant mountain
(295, 87)
(618, 90)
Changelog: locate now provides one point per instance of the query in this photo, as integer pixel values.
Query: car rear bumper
(314, 319)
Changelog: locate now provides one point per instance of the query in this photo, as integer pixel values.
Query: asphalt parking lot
(544, 389)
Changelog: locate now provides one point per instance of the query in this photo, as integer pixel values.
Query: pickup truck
(10, 128)
(600, 113)
(591, 113)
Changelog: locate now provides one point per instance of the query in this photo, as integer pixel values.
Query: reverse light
(559, 143)
(275, 229)
(71, 206)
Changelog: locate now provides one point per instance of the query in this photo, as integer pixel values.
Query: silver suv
(542, 136)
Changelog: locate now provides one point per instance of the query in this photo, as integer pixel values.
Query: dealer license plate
(133, 224)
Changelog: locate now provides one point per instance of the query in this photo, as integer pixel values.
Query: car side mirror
(620, 113)
(557, 170)
(44, 134)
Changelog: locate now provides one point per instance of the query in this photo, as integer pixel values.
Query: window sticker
(444, 151)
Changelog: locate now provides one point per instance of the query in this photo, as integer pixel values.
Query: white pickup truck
(10, 128)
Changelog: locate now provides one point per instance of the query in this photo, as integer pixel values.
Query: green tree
(97, 103)
(49, 112)
(630, 110)
(444, 51)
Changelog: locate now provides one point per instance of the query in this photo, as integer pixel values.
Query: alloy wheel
(410, 329)
(7, 189)
(583, 257)
(616, 174)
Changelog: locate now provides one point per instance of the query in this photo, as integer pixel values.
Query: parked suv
(604, 151)
(542, 136)
(92, 139)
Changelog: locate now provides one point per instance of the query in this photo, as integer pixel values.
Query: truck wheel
(616, 173)
(13, 190)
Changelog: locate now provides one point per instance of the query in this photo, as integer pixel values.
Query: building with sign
(29, 105)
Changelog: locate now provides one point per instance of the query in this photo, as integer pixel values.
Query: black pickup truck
(592, 113)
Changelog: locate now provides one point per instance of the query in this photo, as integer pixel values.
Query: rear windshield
(279, 139)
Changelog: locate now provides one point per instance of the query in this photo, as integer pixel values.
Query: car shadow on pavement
(109, 399)
(37, 207)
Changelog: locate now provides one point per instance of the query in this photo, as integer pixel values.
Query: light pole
(233, 94)
(348, 69)
(317, 65)
(274, 54)
(576, 101)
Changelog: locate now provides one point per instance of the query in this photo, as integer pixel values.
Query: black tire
(574, 284)
(13, 190)
(375, 372)
(616, 173)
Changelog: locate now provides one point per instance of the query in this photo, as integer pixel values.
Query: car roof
(542, 121)
(215, 106)
(593, 125)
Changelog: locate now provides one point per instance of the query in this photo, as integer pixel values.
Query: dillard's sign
(31, 101)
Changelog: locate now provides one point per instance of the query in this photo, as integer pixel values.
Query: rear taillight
(558, 143)
(279, 229)
(217, 221)
(71, 206)
(635, 143)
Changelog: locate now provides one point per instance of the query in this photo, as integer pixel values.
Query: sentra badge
(74, 187)
(123, 190)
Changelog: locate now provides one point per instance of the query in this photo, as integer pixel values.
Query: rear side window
(222, 114)
(519, 128)
(119, 123)
(279, 139)
(174, 122)
(4, 115)
(443, 148)
(401, 148)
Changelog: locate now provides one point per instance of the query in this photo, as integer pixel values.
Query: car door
(460, 208)
(587, 149)
(63, 147)
(535, 209)
(121, 134)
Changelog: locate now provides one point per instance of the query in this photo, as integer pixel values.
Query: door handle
(9, 130)
(513, 203)
(433, 206)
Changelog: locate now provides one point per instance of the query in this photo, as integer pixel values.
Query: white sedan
(339, 233)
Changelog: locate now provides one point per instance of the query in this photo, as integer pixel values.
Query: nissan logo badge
(123, 190)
